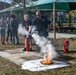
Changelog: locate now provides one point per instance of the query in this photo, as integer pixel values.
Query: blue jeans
(15, 35)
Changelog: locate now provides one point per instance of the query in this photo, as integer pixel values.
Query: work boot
(24, 49)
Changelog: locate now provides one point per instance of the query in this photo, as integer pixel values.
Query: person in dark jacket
(41, 23)
(14, 29)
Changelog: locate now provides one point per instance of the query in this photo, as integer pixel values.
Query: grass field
(9, 68)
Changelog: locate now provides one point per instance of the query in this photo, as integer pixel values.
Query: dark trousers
(43, 33)
(15, 35)
(9, 34)
(2, 36)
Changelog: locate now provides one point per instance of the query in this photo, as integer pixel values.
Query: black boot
(24, 49)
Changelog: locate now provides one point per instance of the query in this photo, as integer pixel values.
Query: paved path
(18, 56)
(62, 35)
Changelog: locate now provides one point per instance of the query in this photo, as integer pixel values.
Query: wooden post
(54, 21)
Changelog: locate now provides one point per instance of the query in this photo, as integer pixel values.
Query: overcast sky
(6, 1)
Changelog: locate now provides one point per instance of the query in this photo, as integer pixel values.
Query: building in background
(4, 5)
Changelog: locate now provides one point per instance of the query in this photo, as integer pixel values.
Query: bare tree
(24, 3)
(18, 2)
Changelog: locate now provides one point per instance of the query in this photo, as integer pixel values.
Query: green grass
(9, 68)
(10, 46)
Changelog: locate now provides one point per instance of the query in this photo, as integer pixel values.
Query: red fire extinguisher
(66, 46)
(27, 43)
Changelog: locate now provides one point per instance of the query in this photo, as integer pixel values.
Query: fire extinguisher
(27, 43)
(66, 46)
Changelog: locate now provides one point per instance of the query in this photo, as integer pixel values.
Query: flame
(47, 59)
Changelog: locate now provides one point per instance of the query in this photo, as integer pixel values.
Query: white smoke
(22, 30)
(42, 42)
(45, 44)
(33, 29)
